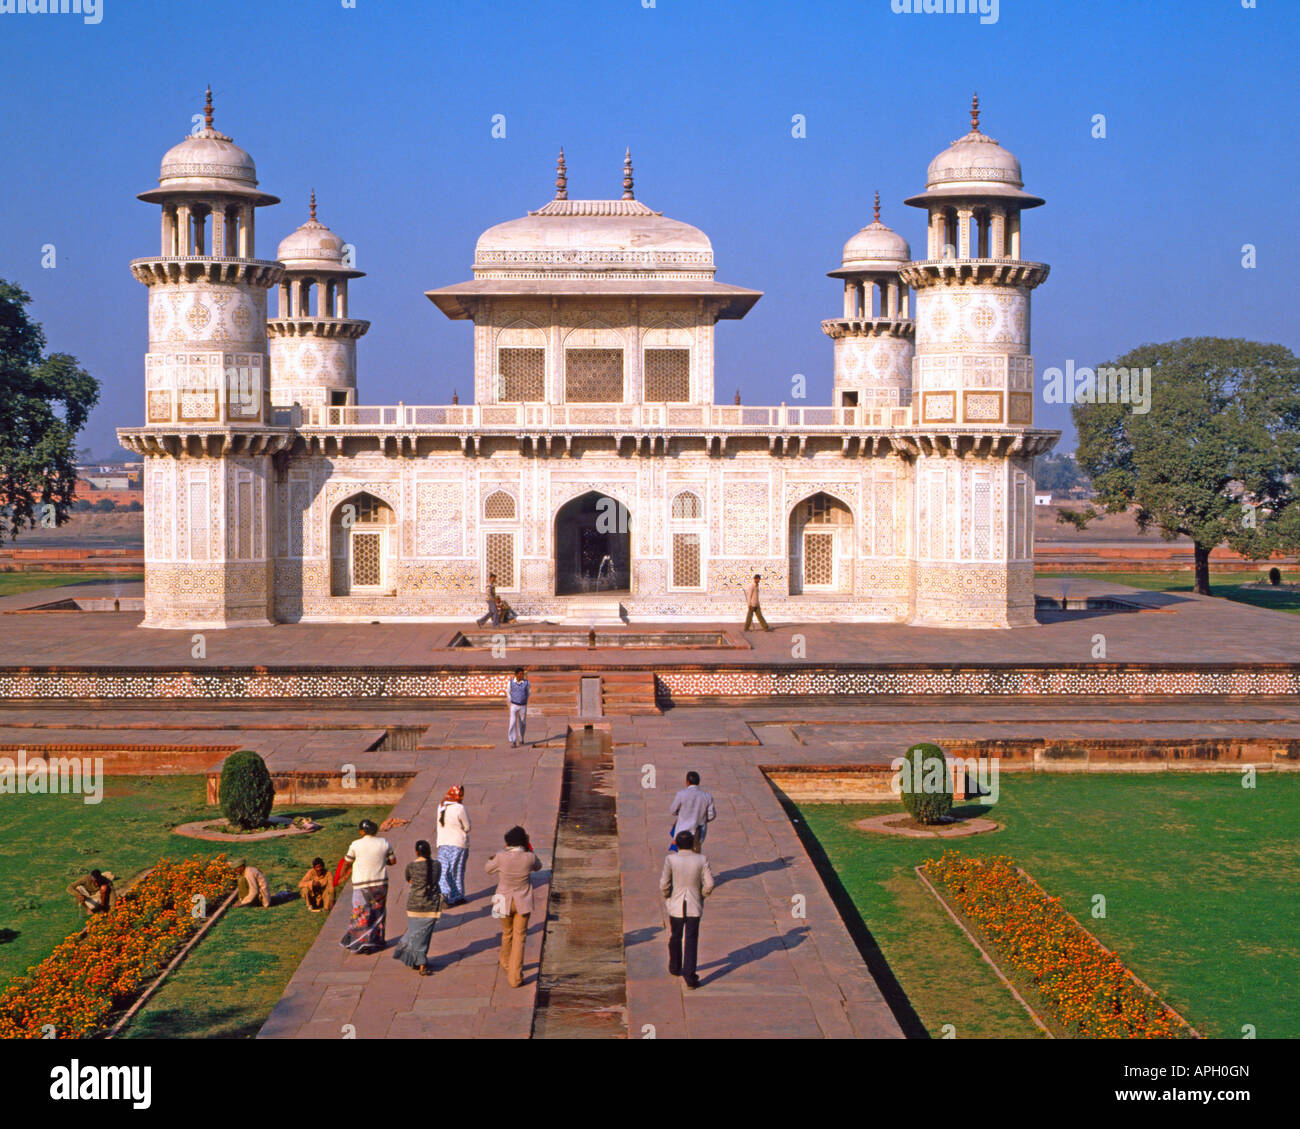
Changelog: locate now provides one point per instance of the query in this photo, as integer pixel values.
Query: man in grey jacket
(693, 809)
(685, 882)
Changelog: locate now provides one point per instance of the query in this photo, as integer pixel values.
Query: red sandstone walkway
(765, 971)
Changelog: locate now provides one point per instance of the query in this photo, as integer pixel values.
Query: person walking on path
(423, 908)
(685, 882)
(517, 691)
(491, 597)
(692, 810)
(453, 844)
(751, 598)
(368, 859)
(251, 883)
(513, 901)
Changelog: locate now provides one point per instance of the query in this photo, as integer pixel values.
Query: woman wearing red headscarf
(453, 844)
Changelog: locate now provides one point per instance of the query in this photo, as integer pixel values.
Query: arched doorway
(593, 545)
(362, 529)
(821, 531)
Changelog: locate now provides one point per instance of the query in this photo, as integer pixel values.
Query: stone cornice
(206, 268)
(869, 327)
(1004, 272)
(316, 327)
(908, 443)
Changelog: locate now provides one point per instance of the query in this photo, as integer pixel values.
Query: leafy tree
(1057, 473)
(1215, 456)
(44, 402)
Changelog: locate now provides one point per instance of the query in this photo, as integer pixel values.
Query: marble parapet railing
(638, 417)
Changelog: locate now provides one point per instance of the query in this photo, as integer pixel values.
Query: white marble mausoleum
(593, 473)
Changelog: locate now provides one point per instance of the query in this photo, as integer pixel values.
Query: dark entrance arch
(593, 545)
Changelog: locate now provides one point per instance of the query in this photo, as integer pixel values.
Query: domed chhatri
(874, 247)
(314, 247)
(975, 165)
(312, 340)
(873, 340)
(208, 161)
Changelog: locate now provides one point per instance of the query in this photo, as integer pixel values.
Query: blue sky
(386, 109)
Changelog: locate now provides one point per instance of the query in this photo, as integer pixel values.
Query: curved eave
(869, 266)
(199, 186)
(977, 192)
(459, 302)
(313, 267)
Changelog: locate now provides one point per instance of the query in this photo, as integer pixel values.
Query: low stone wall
(675, 682)
(870, 783)
(132, 760)
(307, 787)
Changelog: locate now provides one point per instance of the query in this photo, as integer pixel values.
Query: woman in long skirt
(423, 908)
(368, 859)
(453, 844)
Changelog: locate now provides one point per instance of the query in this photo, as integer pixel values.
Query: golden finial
(207, 110)
(627, 175)
(561, 178)
(313, 203)
(975, 113)
(876, 217)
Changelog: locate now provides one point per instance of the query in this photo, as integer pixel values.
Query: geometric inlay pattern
(593, 376)
(667, 375)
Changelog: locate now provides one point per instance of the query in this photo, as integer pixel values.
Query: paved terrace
(1176, 629)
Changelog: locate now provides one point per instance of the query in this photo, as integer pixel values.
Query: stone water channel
(582, 983)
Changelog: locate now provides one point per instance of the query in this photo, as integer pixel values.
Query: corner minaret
(973, 391)
(873, 340)
(207, 442)
(207, 288)
(313, 342)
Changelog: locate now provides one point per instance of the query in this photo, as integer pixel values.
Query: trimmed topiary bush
(246, 792)
(1275, 576)
(925, 784)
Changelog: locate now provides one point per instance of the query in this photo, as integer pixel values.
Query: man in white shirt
(368, 859)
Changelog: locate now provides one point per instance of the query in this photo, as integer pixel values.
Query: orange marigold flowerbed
(97, 972)
(1086, 988)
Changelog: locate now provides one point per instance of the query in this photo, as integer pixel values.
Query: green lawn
(1227, 585)
(1199, 876)
(230, 982)
(12, 583)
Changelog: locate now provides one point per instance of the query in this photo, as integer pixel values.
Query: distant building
(1042, 499)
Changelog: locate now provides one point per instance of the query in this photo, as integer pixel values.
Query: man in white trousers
(517, 690)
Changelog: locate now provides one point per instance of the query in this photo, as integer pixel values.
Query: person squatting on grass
(317, 887)
(252, 884)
